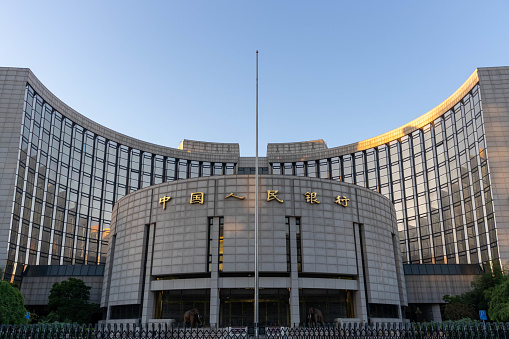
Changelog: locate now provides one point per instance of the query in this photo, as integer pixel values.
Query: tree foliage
(455, 309)
(12, 309)
(69, 302)
(499, 302)
(484, 287)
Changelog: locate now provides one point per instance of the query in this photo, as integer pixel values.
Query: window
(221, 234)
(209, 249)
(382, 311)
(299, 244)
(288, 252)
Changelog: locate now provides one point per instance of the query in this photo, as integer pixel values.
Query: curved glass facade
(68, 178)
(438, 179)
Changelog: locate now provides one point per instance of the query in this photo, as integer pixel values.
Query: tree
(12, 309)
(499, 302)
(468, 304)
(483, 286)
(68, 301)
(456, 309)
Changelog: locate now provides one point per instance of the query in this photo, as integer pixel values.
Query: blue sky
(163, 71)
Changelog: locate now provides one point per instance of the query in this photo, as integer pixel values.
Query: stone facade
(495, 103)
(342, 248)
(445, 172)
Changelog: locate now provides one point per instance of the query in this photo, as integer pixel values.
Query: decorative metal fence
(338, 331)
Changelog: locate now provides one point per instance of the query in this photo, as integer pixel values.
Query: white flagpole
(256, 212)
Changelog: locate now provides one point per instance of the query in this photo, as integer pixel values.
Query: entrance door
(237, 307)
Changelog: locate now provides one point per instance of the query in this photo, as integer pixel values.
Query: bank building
(378, 230)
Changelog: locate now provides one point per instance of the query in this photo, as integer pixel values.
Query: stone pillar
(148, 306)
(294, 276)
(401, 279)
(360, 302)
(437, 315)
(214, 274)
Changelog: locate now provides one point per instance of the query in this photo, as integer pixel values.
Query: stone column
(214, 274)
(148, 306)
(437, 315)
(294, 277)
(361, 309)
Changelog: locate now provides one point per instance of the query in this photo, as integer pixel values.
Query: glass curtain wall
(438, 179)
(68, 180)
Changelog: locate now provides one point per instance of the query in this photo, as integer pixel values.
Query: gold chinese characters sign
(342, 201)
(272, 195)
(197, 198)
(231, 195)
(310, 198)
(163, 201)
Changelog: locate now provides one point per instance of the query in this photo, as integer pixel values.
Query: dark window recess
(299, 244)
(126, 311)
(209, 247)
(183, 276)
(442, 269)
(288, 252)
(383, 311)
(63, 271)
(251, 170)
(220, 252)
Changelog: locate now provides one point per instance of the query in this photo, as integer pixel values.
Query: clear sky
(342, 71)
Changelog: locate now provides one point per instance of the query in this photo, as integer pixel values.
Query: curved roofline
(222, 152)
(425, 119)
(229, 152)
(384, 138)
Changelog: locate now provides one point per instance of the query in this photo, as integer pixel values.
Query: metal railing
(338, 331)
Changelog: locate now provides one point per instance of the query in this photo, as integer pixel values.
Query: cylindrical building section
(324, 245)
(445, 172)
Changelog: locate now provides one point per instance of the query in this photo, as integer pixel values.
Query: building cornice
(381, 139)
(230, 154)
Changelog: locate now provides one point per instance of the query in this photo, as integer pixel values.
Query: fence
(340, 331)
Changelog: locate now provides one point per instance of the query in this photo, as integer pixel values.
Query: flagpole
(256, 212)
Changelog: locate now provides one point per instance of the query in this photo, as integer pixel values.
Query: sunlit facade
(67, 179)
(446, 173)
(437, 176)
(323, 244)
